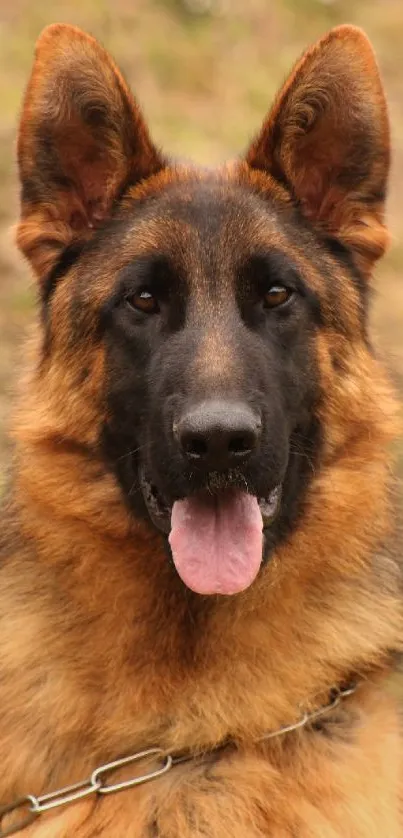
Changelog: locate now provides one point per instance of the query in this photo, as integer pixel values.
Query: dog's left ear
(327, 141)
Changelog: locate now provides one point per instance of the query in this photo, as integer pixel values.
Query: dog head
(204, 332)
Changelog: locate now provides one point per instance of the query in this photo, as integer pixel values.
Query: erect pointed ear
(82, 137)
(327, 140)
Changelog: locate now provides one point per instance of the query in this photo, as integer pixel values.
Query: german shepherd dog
(197, 542)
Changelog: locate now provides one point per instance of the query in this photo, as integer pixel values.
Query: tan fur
(97, 158)
(99, 657)
(309, 125)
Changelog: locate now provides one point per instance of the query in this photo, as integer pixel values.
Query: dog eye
(276, 296)
(143, 301)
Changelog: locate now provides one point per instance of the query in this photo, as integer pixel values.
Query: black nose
(218, 435)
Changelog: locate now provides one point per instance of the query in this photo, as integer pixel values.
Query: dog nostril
(240, 445)
(195, 447)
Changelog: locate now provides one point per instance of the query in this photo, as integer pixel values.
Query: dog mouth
(216, 535)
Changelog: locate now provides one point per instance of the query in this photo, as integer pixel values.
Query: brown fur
(99, 658)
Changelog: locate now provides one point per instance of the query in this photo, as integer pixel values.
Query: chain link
(337, 694)
(105, 770)
(31, 806)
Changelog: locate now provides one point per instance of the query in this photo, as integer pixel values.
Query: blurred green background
(205, 72)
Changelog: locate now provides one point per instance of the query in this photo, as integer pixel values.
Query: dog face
(210, 357)
(192, 320)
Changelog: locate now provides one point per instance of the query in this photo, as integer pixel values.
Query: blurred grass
(205, 72)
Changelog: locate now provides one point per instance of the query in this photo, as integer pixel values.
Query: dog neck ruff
(28, 808)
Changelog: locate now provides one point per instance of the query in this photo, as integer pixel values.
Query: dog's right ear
(82, 138)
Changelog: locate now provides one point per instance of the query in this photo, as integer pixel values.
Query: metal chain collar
(32, 806)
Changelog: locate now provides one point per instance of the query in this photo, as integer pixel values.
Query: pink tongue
(217, 541)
